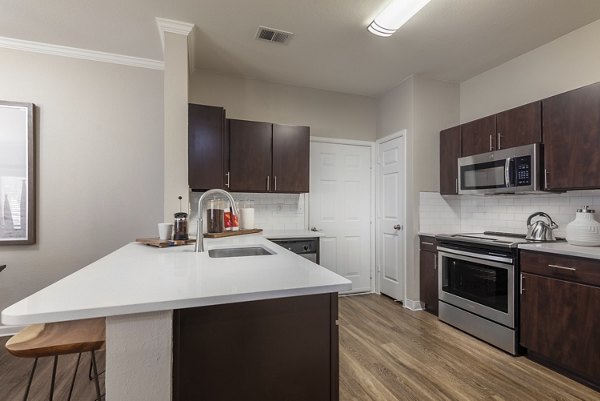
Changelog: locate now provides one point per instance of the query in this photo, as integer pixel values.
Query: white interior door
(340, 207)
(390, 227)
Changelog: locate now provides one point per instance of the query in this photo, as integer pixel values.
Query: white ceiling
(450, 40)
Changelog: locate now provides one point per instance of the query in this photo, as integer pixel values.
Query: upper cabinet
(245, 156)
(571, 126)
(449, 154)
(519, 126)
(291, 150)
(250, 148)
(206, 147)
(478, 136)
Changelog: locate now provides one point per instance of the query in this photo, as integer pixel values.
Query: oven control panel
(523, 167)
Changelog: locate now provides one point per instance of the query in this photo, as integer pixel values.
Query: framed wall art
(17, 174)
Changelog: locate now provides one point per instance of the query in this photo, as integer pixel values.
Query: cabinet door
(449, 154)
(571, 124)
(519, 126)
(291, 158)
(478, 136)
(250, 155)
(429, 280)
(206, 130)
(560, 321)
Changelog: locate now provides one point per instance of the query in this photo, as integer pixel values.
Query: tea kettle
(540, 230)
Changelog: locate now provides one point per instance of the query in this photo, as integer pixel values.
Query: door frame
(372, 212)
(378, 189)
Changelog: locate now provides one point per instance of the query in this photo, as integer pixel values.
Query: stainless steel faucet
(200, 235)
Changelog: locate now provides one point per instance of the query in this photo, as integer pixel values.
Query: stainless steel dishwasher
(306, 247)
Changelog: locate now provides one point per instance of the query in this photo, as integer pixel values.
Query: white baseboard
(10, 330)
(412, 305)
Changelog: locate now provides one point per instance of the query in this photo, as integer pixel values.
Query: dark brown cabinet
(206, 147)
(428, 274)
(265, 157)
(560, 313)
(478, 136)
(250, 149)
(291, 150)
(571, 126)
(449, 154)
(519, 126)
(278, 349)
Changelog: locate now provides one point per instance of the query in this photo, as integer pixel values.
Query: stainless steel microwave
(506, 171)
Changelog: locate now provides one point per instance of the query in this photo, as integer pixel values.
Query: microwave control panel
(523, 167)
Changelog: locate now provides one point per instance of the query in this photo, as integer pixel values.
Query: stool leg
(90, 372)
(53, 377)
(96, 380)
(74, 376)
(30, 380)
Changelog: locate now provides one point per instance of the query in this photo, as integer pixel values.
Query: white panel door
(340, 207)
(390, 235)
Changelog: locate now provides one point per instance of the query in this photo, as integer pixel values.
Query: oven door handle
(507, 172)
(453, 252)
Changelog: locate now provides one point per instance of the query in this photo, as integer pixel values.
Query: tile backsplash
(507, 213)
(271, 211)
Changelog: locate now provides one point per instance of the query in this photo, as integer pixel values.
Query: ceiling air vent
(273, 35)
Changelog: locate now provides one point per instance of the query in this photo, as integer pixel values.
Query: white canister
(247, 215)
(584, 230)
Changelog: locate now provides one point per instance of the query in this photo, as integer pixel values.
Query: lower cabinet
(428, 274)
(560, 315)
(268, 350)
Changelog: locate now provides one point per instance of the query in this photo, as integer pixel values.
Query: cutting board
(159, 243)
(232, 233)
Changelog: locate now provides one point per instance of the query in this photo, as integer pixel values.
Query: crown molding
(172, 26)
(84, 54)
(179, 28)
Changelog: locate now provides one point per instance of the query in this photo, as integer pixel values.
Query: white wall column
(176, 39)
(139, 351)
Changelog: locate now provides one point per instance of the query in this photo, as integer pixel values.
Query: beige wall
(328, 114)
(566, 63)
(100, 174)
(423, 107)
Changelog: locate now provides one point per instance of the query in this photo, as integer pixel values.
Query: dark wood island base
(283, 349)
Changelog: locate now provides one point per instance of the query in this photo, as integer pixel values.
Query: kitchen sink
(239, 252)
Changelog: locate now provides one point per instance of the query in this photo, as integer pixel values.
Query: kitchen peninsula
(185, 325)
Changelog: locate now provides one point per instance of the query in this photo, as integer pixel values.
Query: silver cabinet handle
(268, 183)
(498, 136)
(491, 145)
(228, 177)
(397, 227)
(435, 262)
(571, 269)
(427, 243)
(546, 172)
(521, 289)
(275, 179)
(457, 186)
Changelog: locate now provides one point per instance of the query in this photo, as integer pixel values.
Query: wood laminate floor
(14, 373)
(390, 353)
(387, 353)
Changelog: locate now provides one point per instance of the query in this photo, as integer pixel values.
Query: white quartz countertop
(281, 234)
(564, 248)
(138, 278)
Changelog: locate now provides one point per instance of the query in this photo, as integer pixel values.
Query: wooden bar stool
(63, 338)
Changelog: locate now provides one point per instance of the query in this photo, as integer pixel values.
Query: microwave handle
(507, 172)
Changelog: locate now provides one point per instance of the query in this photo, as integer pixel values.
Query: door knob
(397, 227)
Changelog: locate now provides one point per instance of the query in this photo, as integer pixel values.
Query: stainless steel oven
(477, 291)
(512, 170)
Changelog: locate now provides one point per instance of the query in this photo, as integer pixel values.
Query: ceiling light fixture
(394, 15)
